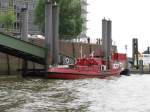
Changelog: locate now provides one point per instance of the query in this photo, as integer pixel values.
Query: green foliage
(70, 21)
(7, 18)
(40, 15)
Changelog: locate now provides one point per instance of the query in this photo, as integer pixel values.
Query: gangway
(22, 49)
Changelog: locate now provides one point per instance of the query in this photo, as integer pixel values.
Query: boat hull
(82, 74)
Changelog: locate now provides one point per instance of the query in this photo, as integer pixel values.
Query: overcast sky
(130, 19)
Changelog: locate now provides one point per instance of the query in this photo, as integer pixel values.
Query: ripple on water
(124, 94)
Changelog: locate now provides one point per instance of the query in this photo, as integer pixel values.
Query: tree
(40, 15)
(70, 17)
(7, 18)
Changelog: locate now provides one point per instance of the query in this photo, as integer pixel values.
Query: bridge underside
(22, 55)
(22, 49)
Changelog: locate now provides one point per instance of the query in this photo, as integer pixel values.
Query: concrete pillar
(106, 40)
(109, 50)
(24, 36)
(141, 66)
(135, 52)
(104, 37)
(48, 33)
(24, 68)
(126, 63)
(24, 24)
(55, 19)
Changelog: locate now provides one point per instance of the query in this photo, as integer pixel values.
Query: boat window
(103, 67)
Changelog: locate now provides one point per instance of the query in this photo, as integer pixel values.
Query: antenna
(81, 52)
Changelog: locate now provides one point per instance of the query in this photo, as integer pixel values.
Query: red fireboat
(105, 65)
(92, 67)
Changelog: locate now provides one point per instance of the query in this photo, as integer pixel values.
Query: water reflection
(124, 94)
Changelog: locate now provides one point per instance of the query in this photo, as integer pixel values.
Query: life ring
(66, 60)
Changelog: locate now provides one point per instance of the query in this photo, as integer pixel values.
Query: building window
(18, 15)
(4, 5)
(16, 25)
(15, 7)
(2, 25)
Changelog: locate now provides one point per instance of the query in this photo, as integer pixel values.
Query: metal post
(73, 50)
(89, 44)
(48, 33)
(90, 48)
(55, 19)
(88, 40)
(24, 36)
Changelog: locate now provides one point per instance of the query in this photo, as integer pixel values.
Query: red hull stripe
(57, 75)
